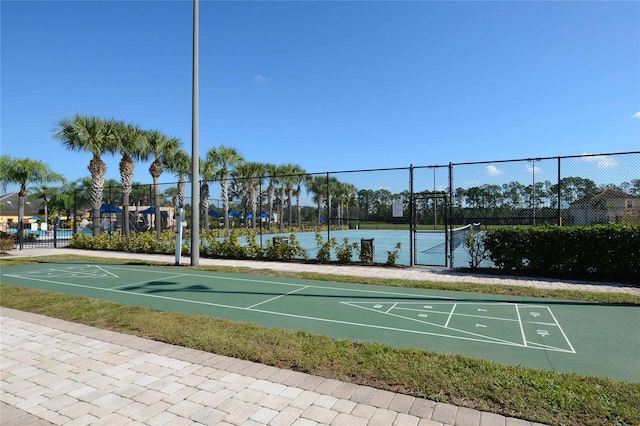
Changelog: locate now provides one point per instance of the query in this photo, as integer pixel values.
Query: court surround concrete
(57, 372)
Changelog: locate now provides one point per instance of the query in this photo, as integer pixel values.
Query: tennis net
(457, 236)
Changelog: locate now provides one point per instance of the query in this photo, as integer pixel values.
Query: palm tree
(251, 175)
(179, 164)
(208, 173)
(226, 159)
(317, 186)
(159, 147)
(94, 135)
(271, 170)
(24, 171)
(132, 145)
(349, 193)
(297, 178)
(283, 176)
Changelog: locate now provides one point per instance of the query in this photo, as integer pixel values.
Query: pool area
(61, 233)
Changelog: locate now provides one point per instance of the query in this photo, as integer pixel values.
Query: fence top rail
(557, 157)
(433, 166)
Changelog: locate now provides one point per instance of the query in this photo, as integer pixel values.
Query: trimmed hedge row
(607, 250)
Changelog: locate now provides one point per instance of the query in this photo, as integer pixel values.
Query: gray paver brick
(490, 419)
(381, 398)
(230, 405)
(346, 419)
(185, 408)
(422, 408)
(286, 417)
(241, 413)
(510, 421)
(319, 414)
(344, 406)
(311, 382)
(274, 402)
(402, 403)
(362, 394)
(264, 415)
(467, 417)
(249, 395)
(304, 400)
(208, 416)
(364, 411)
(405, 420)
(444, 413)
(162, 419)
(382, 417)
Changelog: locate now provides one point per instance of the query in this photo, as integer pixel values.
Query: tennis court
(580, 337)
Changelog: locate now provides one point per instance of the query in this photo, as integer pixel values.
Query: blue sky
(328, 85)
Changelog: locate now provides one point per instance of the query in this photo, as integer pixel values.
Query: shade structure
(152, 210)
(108, 208)
(263, 215)
(215, 213)
(34, 218)
(234, 213)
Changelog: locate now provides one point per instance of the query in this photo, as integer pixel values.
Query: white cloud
(602, 161)
(493, 171)
(636, 115)
(259, 79)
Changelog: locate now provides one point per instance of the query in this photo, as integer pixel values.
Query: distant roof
(9, 204)
(607, 194)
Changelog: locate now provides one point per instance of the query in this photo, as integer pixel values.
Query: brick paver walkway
(57, 372)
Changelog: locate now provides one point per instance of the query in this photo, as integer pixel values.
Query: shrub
(392, 255)
(474, 244)
(324, 248)
(7, 242)
(279, 249)
(608, 250)
(254, 250)
(230, 247)
(344, 251)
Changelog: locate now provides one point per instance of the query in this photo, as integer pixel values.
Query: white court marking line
(561, 331)
(277, 297)
(251, 280)
(144, 282)
(458, 315)
(155, 296)
(524, 337)
(556, 324)
(450, 315)
(487, 339)
(391, 308)
(76, 270)
(484, 339)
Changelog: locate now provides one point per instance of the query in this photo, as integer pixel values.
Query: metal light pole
(195, 155)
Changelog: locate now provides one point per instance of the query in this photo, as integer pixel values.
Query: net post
(559, 195)
(449, 259)
(412, 224)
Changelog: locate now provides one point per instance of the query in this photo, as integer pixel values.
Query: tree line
(248, 183)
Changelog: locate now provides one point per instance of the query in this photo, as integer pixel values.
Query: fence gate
(429, 229)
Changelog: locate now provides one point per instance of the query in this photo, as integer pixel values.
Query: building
(608, 206)
(9, 210)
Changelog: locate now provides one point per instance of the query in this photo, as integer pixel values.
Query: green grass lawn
(535, 395)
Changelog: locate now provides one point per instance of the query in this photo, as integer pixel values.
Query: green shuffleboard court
(552, 334)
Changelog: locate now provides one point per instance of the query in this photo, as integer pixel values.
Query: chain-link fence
(419, 207)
